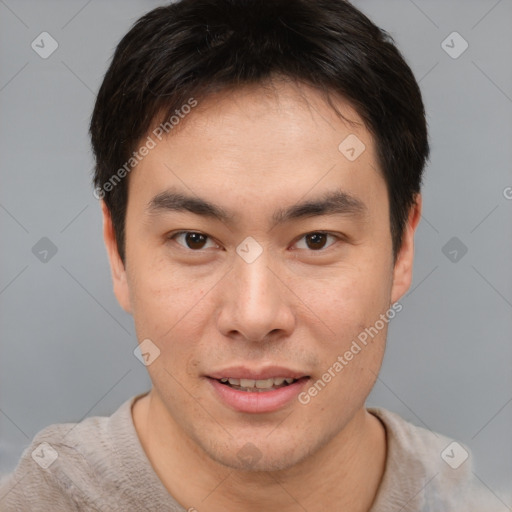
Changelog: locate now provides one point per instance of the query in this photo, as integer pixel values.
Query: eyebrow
(330, 203)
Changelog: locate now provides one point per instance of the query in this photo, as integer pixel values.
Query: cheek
(171, 314)
(167, 303)
(349, 299)
(352, 349)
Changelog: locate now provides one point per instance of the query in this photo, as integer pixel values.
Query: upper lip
(243, 372)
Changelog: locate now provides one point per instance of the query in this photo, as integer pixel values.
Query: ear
(402, 273)
(117, 267)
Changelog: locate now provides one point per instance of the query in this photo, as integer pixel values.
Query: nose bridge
(255, 304)
(251, 270)
(256, 282)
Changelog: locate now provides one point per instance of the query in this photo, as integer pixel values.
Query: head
(259, 167)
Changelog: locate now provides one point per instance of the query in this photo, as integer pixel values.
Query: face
(258, 249)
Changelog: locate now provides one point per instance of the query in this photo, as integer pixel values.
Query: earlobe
(117, 267)
(402, 273)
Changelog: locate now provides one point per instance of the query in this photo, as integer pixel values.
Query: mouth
(260, 385)
(262, 390)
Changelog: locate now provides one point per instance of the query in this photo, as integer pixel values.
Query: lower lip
(258, 402)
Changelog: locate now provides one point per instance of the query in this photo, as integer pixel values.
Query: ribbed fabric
(418, 479)
(101, 466)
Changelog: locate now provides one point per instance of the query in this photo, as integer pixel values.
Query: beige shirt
(100, 465)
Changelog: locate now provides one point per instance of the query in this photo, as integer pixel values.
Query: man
(259, 168)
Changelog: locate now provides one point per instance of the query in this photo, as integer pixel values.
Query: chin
(260, 453)
(260, 462)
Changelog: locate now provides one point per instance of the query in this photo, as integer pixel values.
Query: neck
(346, 471)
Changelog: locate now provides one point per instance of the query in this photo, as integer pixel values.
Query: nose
(256, 303)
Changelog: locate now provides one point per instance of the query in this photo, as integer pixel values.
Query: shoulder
(426, 471)
(412, 441)
(65, 465)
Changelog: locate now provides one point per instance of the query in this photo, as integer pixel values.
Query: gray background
(66, 345)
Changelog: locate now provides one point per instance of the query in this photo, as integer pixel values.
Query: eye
(195, 241)
(192, 240)
(316, 241)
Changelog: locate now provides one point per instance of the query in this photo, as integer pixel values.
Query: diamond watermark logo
(454, 45)
(249, 454)
(454, 455)
(45, 455)
(454, 249)
(147, 352)
(44, 45)
(44, 250)
(351, 147)
(249, 250)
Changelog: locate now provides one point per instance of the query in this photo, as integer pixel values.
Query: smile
(257, 395)
(258, 386)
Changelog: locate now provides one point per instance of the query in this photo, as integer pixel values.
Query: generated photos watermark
(150, 143)
(355, 348)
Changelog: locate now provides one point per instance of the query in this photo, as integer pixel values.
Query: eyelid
(173, 235)
(337, 236)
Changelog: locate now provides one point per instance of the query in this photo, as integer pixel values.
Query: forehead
(276, 115)
(264, 141)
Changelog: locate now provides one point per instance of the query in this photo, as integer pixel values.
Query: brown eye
(316, 240)
(195, 240)
(191, 240)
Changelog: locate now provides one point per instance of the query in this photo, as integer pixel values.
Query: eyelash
(338, 237)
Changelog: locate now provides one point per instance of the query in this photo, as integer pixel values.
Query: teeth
(258, 384)
(264, 384)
